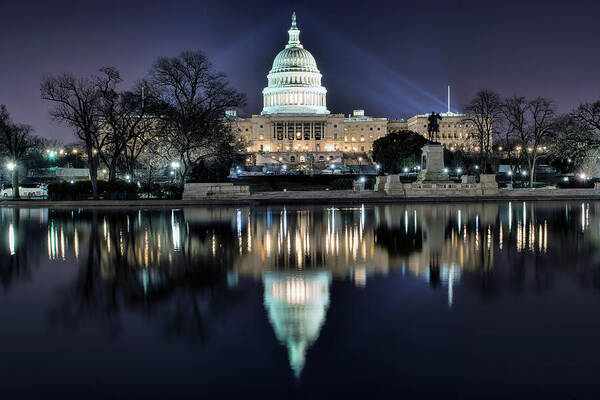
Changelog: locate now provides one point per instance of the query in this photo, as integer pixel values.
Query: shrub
(341, 184)
(158, 191)
(370, 183)
(575, 184)
(70, 191)
(117, 190)
(82, 190)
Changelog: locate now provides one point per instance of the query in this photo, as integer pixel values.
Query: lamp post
(12, 167)
(174, 167)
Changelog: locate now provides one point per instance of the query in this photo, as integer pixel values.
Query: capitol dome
(294, 82)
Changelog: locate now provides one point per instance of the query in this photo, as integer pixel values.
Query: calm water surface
(417, 301)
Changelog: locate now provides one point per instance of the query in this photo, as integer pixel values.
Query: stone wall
(392, 186)
(194, 191)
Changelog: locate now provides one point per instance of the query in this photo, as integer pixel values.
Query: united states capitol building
(296, 128)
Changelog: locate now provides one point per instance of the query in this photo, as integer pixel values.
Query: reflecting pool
(465, 300)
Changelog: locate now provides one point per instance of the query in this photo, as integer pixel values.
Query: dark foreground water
(419, 301)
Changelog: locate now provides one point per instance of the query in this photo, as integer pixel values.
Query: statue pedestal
(432, 164)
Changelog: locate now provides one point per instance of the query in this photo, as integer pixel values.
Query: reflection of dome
(297, 304)
(294, 81)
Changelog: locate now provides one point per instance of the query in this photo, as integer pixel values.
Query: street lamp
(175, 164)
(11, 166)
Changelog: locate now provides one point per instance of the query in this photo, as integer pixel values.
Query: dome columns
(294, 82)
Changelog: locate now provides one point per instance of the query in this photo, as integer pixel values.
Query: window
(321, 158)
(318, 130)
(362, 148)
(261, 136)
(292, 158)
(362, 138)
(370, 129)
(261, 147)
(246, 129)
(334, 125)
(378, 129)
(261, 127)
(306, 128)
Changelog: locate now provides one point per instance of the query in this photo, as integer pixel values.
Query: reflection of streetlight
(458, 170)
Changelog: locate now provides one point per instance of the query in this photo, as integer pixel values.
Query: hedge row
(118, 190)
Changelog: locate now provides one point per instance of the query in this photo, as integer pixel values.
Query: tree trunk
(93, 166)
(532, 170)
(15, 183)
(112, 172)
(530, 162)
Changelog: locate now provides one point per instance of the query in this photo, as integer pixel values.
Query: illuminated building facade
(295, 127)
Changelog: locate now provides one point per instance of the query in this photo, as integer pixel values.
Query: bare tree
(197, 98)
(16, 141)
(126, 126)
(578, 135)
(588, 115)
(144, 126)
(76, 103)
(483, 112)
(533, 122)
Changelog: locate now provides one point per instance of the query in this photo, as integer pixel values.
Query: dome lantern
(294, 33)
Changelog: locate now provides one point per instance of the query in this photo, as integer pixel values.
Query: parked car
(28, 190)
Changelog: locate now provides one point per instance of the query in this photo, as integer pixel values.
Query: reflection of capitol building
(295, 127)
(297, 304)
(334, 239)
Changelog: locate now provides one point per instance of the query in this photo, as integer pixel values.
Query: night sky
(394, 59)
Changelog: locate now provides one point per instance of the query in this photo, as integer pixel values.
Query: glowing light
(11, 240)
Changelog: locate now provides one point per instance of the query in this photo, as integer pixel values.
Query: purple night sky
(394, 59)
